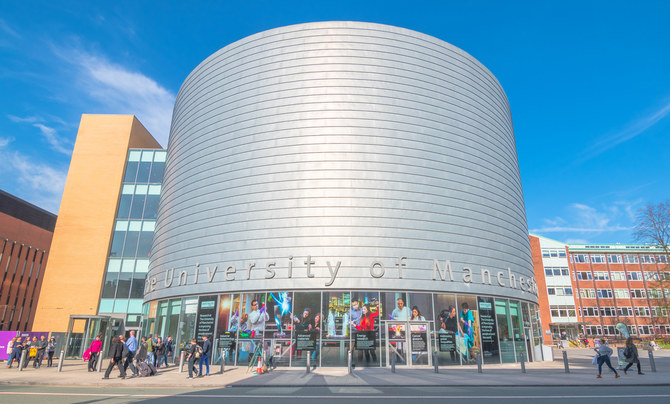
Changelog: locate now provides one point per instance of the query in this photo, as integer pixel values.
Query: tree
(653, 227)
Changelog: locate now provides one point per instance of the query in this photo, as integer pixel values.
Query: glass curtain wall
(128, 261)
(289, 327)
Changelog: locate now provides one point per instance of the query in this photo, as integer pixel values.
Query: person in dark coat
(116, 353)
(191, 358)
(631, 355)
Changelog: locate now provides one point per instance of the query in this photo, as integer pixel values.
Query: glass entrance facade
(378, 327)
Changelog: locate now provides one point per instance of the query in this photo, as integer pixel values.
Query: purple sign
(5, 337)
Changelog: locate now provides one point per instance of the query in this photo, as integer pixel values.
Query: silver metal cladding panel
(350, 143)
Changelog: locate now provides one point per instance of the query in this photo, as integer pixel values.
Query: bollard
(223, 361)
(98, 364)
(479, 362)
(565, 362)
(349, 355)
(392, 362)
(182, 358)
(652, 363)
(61, 359)
(22, 360)
(522, 360)
(435, 362)
(309, 359)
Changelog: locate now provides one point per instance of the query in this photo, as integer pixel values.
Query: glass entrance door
(408, 343)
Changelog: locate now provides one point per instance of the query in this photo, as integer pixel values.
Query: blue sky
(588, 83)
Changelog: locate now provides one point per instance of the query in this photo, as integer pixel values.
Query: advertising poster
(225, 302)
(204, 325)
(488, 330)
(305, 341)
(447, 342)
(365, 340)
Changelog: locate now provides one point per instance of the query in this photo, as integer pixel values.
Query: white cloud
(123, 91)
(582, 218)
(7, 29)
(4, 141)
(28, 119)
(56, 142)
(632, 130)
(39, 184)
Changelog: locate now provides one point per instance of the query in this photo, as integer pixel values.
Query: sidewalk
(582, 373)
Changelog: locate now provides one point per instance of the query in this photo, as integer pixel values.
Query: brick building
(589, 289)
(25, 238)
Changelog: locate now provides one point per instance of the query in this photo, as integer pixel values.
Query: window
(650, 276)
(655, 293)
(583, 276)
(562, 311)
(645, 330)
(593, 330)
(647, 259)
(605, 293)
(625, 311)
(598, 258)
(580, 258)
(551, 291)
(614, 258)
(618, 276)
(642, 311)
(638, 293)
(553, 253)
(630, 259)
(607, 312)
(590, 312)
(634, 276)
(601, 276)
(659, 311)
(621, 293)
(587, 293)
(556, 271)
(662, 259)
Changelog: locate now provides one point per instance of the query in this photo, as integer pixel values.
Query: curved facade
(341, 156)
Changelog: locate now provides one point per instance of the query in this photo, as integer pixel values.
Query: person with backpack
(194, 352)
(206, 349)
(631, 356)
(116, 353)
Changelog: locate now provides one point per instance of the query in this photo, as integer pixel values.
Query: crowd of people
(36, 350)
(126, 353)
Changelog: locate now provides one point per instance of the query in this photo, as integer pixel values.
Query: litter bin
(547, 353)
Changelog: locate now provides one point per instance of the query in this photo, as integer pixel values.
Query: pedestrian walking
(116, 353)
(206, 349)
(631, 356)
(94, 352)
(131, 344)
(604, 353)
(193, 350)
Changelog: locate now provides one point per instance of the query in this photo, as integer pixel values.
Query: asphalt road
(368, 395)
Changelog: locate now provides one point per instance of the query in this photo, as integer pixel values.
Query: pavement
(582, 373)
